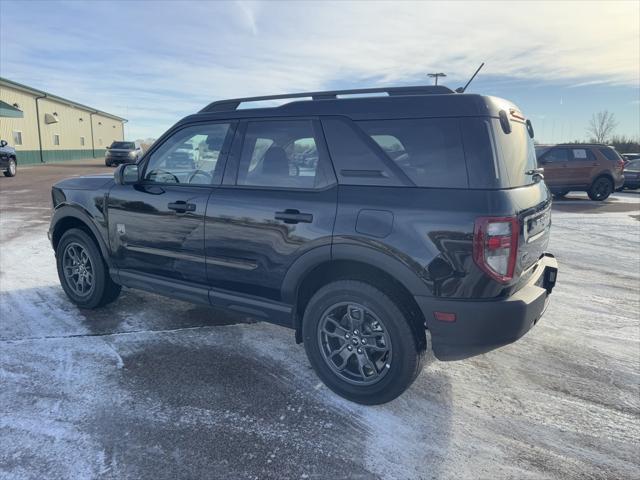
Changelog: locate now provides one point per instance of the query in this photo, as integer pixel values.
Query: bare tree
(601, 126)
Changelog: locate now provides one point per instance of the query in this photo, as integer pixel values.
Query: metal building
(46, 128)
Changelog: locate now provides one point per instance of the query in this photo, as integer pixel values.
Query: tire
(12, 169)
(98, 289)
(392, 358)
(600, 189)
(561, 194)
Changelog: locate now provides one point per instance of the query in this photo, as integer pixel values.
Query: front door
(157, 225)
(555, 163)
(277, 202)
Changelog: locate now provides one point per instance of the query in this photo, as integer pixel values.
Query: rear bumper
(619, 181)
(481, 326)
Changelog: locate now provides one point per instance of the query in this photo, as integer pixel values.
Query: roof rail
(233, 104)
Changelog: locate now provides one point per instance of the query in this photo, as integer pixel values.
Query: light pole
(436, 75)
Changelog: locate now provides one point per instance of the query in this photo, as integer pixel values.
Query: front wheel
(82, 271)
(12, 169)
(601, 188)
(360, 343)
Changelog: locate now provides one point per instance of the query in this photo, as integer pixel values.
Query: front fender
(61, 219)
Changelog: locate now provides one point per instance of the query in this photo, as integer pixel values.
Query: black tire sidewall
(406, 357)
(99, 270)
(7, 172)
(592, 193)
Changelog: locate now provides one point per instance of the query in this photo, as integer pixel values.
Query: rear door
(277, 202)
(157, 226)
(582, 162)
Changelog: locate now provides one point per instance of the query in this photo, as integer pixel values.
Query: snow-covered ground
(154, 388)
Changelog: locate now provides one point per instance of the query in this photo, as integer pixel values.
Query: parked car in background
(8, 159)
(627, 157)
(632, 174)
(379, 228)
(122, 152)
(592, 168)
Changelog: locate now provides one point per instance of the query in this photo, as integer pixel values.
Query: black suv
(379, 227)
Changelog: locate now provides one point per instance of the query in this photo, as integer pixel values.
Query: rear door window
(581, 154)
(428, 151)
(280, 154)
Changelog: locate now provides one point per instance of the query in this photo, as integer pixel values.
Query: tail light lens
(620, 165)
(495, 246)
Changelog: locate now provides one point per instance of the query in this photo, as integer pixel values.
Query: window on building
(56, 139)
(17, 137)
(82, 141)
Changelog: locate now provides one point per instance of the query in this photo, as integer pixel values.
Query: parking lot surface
(151, 387)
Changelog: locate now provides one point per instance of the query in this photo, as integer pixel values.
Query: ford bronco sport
(380, 228)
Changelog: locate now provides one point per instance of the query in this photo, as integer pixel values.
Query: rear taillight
(495, 246)
(620, 165)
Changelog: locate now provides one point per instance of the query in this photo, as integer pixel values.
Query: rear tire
(12, 169)
(360, 343)
(560, 194)
(82, 271)
(600, 189)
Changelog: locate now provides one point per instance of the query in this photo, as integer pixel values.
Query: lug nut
(346, 335)
(359, 350)
(349, 348)
(355, 332)
(364, 340)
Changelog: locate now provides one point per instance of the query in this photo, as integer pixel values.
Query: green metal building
(43, 127)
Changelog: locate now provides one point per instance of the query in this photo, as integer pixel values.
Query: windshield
(124, 145)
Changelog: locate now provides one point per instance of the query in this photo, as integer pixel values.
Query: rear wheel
(601, 188)
(360, 343)
(12, 168)
(560, 194)
(82, 271)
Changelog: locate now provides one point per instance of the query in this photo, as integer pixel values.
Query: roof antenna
(462, 89)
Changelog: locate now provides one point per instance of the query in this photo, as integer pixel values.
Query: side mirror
(127, 174)
(3, 143)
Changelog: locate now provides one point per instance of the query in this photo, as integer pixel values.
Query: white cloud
(160, 60)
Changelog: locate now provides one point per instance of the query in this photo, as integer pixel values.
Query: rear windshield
(496, 159)
(429, 151)
(124, 145)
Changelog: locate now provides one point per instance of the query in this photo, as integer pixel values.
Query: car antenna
(462, 89)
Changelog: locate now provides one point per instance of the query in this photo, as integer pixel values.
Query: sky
(156, 62)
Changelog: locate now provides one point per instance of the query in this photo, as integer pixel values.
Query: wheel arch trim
(65, 211)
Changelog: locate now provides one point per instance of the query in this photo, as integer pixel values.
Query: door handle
(182, 207)
(294, 216)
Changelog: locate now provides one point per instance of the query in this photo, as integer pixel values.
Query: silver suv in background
(122, 152)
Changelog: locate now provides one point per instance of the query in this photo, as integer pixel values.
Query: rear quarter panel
(432, 231)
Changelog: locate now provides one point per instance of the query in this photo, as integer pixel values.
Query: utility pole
(436, 75)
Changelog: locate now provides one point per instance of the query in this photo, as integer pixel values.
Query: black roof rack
(233, 104)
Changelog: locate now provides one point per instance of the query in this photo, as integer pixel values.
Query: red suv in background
(592, 168)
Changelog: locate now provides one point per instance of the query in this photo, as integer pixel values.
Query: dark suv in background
(592, 168)
(122, 152)
(378, 228)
